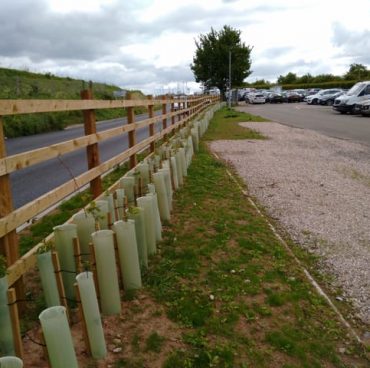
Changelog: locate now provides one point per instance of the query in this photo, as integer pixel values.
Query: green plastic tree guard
(90, 307)
(107, 272)
(10, 362)
(128, 254)
(157, 162)
(191, 150)
(183, 161)
(179, 169)
(128, 184)
(146, 204)
(174, 173)
(143, 169)
(160, 188)
(158, 225)
(6, 332)
(63, 236)
(195, 138)
(58, 337)
(102, 214)
(120, 201)
(167, 182)
(137, 214)
(48, 280)
(110, 200)
(85, 227)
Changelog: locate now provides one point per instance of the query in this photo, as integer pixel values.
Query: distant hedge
(333, 84)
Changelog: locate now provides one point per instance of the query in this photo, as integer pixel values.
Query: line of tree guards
(211, 66)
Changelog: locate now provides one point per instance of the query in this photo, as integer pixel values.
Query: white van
(346, 103)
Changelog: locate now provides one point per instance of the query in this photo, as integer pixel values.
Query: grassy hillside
(25, 85)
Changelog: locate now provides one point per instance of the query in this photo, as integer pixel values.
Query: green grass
(225, 125)
(227, 282)
(19, 84)
(154, 342)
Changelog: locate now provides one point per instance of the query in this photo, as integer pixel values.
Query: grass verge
(225, 125)
(238, 297)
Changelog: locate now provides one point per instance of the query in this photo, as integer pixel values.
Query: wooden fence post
(164, 112)
(132, 133)
(9, 245)
(92, 150)
(173, 121)
(151, 125)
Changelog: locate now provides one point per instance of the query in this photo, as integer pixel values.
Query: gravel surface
(318, 188)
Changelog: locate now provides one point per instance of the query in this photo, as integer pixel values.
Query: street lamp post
(229, 97)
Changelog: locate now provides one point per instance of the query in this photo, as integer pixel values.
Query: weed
(154, 342)
(135, 343)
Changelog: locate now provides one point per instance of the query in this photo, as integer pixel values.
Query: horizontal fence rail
(171, 119)
(17, 107)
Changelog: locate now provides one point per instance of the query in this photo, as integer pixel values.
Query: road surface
(32, 182)
(319, 118)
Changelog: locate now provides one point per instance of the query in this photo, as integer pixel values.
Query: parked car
(273, 97)
(314, 99)
(357, 94)
(255, 98)
(363, 108)
(328, 98)
(312, 91)
(301, 92)
(291, 96)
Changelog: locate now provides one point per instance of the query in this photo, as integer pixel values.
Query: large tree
(357, 72)
(211, 61)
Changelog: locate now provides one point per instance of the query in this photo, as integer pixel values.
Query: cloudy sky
(149, 44)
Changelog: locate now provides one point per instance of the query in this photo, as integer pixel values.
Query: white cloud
(149, 44)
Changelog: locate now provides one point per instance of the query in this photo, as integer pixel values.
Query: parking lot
(319, 118)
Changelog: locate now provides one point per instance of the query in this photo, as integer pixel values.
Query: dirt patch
(129, 332)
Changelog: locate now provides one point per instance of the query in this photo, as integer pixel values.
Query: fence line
(11, 219)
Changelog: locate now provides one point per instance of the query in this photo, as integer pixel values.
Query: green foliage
(45, 247)
(211, 61)
(154, 342)
(287, 79)
(25, 85)
(357, 72)
(3, 266)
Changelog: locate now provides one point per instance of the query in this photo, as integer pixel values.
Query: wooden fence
(181, 110)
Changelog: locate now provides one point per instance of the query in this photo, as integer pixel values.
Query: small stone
(342, 350)
(117, 350)
(232, 271)
(247, 281)
(339, 298)
(212, 297)
(367, 335)
(117, 341)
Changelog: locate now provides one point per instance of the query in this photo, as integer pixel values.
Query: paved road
(319, 118)
(32, 182)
